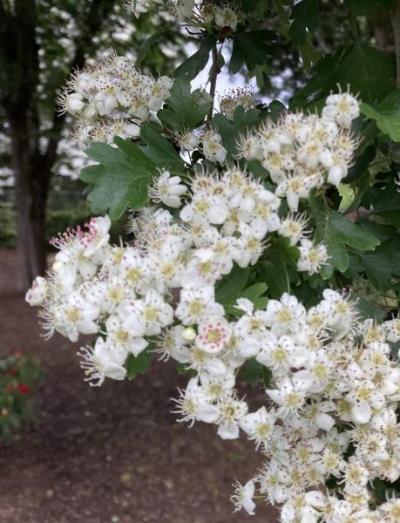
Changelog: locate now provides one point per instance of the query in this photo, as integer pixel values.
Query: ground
(113, 454)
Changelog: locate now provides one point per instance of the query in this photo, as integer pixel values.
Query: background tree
(41, 42)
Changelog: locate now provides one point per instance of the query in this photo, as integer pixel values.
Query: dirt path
(114, 454)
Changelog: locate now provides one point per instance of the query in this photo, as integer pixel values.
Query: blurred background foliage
(41, 43)
(295, 53)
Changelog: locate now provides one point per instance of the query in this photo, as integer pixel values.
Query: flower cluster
(330, 409)
(328, 427)
(335, 392)
(302, 152)
(232, 99)
(207, 13)
(213, 149)
(112, 98)
(210, 141)
(193, 12)
(126, 293)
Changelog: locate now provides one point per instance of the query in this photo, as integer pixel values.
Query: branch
(213, 79)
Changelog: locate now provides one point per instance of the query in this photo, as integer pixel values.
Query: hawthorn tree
(264, 242)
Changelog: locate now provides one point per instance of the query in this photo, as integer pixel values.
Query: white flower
(173, 343)
(74, 103)
(213, 334)
(37, 293)
(343, 108)
(226, 17)
(318, 371)
(391, 510)
(294, 227)
(120, 335)
(239, 96)
(392, 329)
(105, 102)
(76, 316)
(232, 412)
(312, 257)
(212, 147)
(188, 141)
(259, 425)
(288, 397)
(102, 362)
(364, 398)
(159, 92)
(294, 189)
(281, 354)
(243, 497)
(215, 386)
(285, 316)
(193, 405)
(155, 313)
(168, 190)
(339, 312)
(195, 304)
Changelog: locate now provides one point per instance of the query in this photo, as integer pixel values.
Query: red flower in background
(24, 389)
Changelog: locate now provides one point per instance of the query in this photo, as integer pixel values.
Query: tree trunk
(396, 34)
(31, 190)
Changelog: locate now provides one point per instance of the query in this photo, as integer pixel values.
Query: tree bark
(31, 191)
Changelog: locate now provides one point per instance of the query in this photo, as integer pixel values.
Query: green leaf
(305, 16)
(184, 110)
(231, 287)
(146, 47)
(183, 369)
(277, 277)
(251, 48)
(388, 204)
(139, 364)
(253, 373)
(383, 263)
(370, 310)
(309, 54)
(367, 71)
(281, 256)
(120, 180)
(231, 131)
(338, 232)
(330, 224)
(349, 233)
(254, 293)
(386, 115)
(339, 257)
(160, 150)
(191, 67)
